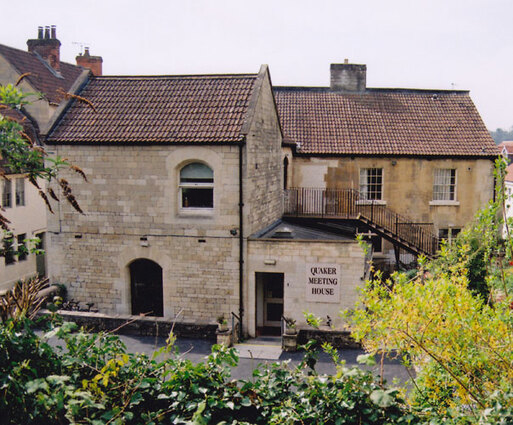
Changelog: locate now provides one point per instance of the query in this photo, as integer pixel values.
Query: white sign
(323, 283)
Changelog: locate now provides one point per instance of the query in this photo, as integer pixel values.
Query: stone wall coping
(127, 317)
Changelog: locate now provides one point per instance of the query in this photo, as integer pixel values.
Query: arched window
(196, 186)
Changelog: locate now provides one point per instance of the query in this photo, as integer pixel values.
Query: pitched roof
(198, 108)
(383, 122)
(506, 146)
(42, 77)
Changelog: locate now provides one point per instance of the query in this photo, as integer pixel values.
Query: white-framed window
(20, 192)
(7, 194)
(196, 186)
(444, 184)
(371, 183)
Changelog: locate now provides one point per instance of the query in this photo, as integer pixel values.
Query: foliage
(446, 324)
(93, 380)
(22, 300)
(21, 154)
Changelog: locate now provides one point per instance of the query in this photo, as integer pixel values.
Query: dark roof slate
(199, 108)
(383, 122)
(41, 77)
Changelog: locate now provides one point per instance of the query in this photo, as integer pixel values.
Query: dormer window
(196, 186)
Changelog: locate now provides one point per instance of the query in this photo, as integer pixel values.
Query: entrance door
(146, 287)
(269, 302)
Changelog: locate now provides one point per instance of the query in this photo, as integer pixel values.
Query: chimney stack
(47, 46)
(348, 77)
(94, 63)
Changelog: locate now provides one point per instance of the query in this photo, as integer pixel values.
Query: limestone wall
(263, 187)
(407, 184)
(292, 258)
(132, 194)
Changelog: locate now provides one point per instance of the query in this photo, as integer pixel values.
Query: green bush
(92, 379)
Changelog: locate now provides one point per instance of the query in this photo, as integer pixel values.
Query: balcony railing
(349, 204)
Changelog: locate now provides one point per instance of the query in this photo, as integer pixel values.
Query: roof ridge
(170, 76)
(324, 89)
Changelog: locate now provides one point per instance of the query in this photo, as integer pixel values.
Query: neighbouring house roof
(383, 122)
(506, 147)
(42, 77)
(158, 109)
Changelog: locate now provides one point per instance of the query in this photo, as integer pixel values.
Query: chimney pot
(348, 77)
(46, 47)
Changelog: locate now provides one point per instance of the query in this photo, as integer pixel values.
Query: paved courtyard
(196, 350)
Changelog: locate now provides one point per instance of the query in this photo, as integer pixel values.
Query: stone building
(419, 161)
(217, 194)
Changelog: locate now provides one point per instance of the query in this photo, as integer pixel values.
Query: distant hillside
(500, 135)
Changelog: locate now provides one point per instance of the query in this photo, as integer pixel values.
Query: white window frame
(19, 193)
(7, 194)
(364, 184)
(195, 185)
(445, 183)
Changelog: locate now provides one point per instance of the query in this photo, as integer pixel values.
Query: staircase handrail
(351, 203)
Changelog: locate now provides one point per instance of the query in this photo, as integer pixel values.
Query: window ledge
(196, 212)
(444, 203)
(371, 202)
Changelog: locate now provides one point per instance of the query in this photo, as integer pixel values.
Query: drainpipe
(241, 242)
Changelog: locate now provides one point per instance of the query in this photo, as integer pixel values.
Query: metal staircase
(416, 238)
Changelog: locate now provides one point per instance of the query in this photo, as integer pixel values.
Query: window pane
(444, 185)
(20, 192)
(7, 194)
(371, 183)
(197, 173)
(197, 198)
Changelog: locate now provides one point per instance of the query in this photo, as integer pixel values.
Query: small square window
(447, 235)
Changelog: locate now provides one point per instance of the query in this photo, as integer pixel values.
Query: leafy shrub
(92, 379)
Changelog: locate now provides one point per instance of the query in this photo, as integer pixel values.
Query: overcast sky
(441, 44)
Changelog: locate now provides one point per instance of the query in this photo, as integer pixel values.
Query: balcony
(417, 238)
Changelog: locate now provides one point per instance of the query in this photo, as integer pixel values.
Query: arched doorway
(146, 287)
